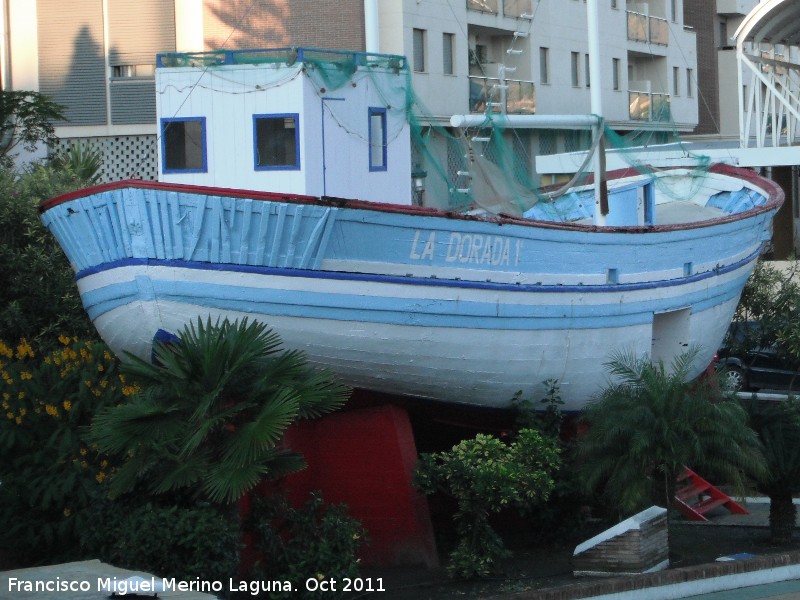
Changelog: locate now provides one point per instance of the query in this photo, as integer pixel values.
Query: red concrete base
(365, 459)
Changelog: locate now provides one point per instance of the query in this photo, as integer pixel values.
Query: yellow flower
(103, 464)
(129, 390)
(6, 405)
(24, 349)
(6, 396)
(51, 410)
(21, 395)
(107, 355)
(18, 420)
(83, 451)
(67, 512)
(23, 412)
(47, 360)
(10, 415)
(88, 382)
(64, 340)
(101, 368)
(26, 375)
(5, 350)
(100, 477)
(67, 405)
(84, 464)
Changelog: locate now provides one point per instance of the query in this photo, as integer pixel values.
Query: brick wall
(634, 551)
(701, 15)
(330, 24)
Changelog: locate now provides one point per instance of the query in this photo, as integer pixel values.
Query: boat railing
(286, 56)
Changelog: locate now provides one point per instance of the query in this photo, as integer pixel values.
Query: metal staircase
(695, 497)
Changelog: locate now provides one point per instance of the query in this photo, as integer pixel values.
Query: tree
(778, 427)
(26, 118)
(212, 411)
(651, 422)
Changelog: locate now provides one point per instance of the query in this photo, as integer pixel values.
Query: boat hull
(460, 310)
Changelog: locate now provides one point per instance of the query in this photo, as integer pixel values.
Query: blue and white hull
(409, 301)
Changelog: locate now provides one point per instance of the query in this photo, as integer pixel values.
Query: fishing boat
(285, 197)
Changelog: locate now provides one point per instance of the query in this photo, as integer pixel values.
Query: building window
(377, 139)
(276, 142)
(448, 52)
(183, 145)
(419, 50)
(674, 10)
(676, 85)
(615, 74)
(614, 4)
(587, 77)
(575, 74)
(133, 71)
(690, 82)
(544, 65)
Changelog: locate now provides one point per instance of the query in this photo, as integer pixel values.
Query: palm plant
(650, 422)
(212, 411)
(778, 427)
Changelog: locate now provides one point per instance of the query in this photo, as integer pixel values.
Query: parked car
(744, 364)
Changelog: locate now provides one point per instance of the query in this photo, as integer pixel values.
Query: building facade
(97, 58)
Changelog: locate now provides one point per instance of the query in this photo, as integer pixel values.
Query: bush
(485, 475)
(39, 298)
(316, 540)
(50, 473)
(167, 541)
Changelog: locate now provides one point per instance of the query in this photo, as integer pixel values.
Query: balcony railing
(484, 92)
(642, 28)
(645, 106)
(511, 8)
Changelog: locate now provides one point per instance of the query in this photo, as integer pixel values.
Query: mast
(600, 187)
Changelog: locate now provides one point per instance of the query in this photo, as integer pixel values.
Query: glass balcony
(520, 97)
(517, 8)
(645, 106)
(487, 6)
(642, 28)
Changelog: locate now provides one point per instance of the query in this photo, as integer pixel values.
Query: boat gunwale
(774, 193)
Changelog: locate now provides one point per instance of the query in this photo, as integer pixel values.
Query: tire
(733, 378)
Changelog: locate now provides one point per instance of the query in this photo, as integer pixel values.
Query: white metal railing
(487, 94)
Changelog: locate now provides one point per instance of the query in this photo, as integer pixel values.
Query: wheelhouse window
(277, 142)
(377, 139)
(183, 145)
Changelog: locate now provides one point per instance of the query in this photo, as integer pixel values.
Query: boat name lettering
(468, 248)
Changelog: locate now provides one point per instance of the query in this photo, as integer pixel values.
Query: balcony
(652, 30)
(647, 106)
(486, 92)
(511, 8)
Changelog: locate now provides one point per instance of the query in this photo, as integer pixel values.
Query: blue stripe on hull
(423, 311)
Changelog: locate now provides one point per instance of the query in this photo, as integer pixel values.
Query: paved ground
(75, 581)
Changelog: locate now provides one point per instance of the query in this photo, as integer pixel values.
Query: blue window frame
(377, 139)
(183, 145)
(276, 142)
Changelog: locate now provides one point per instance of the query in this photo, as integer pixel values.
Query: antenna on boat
(600, 185)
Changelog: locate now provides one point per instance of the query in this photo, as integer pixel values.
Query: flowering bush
(49, 472)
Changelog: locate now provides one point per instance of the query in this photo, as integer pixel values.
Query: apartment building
(97, 57)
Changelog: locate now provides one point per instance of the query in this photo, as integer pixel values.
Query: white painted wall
(229, 96)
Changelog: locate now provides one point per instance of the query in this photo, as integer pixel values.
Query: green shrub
(50, 472)
(316, 540)
(485, 475)
(38, 299)
(167, 541)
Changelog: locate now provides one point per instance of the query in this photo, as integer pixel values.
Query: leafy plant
(81, 160)
(26, 118)
(212, 411)
(650, 422)
(778, 427)
(316, 540)
(50, 472)
(184, 542)
(38, 299)
(484, 475)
